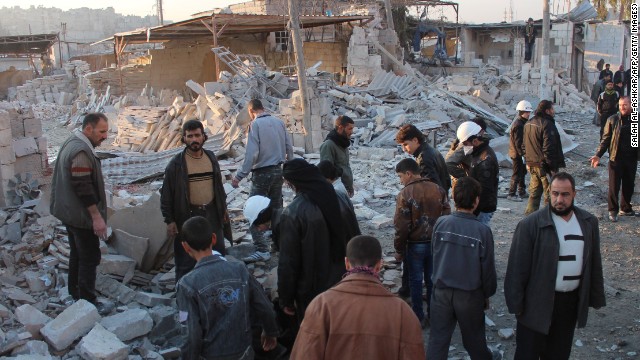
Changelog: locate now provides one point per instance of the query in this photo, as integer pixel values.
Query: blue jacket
(219, 301)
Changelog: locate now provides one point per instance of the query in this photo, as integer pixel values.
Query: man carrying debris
(530, 33)
(418, 205)
(554, 274)
(268, 147)
(217, 293)
(431, 162)
(542, 153)
(516, 151)
(607, 105)
(483, 167)
(464, 276)
(623, 160)
(193, 186)
(78, 199)
(335, 149)
(359, 318)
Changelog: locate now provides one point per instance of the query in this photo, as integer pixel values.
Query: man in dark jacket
(620, 80)
(484, 168)
(607, 104)
(529, 39)
(193, 186)
(598, 88)
(335, 149)
(554, 274)
(516, 151)
(347, 211)
(623, 160)
(431, 162)
(606, 72)
(418, 206)
(542, 153)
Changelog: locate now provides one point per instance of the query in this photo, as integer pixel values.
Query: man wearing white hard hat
(516, 152)
(258, 213)
(483, 167)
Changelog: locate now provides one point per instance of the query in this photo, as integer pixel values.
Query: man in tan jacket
(359, 318)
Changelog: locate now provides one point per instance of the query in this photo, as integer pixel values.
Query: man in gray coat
(554, 274)
(335, 149)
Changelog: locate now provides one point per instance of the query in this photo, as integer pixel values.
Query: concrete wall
(604, 41)
(12, 78)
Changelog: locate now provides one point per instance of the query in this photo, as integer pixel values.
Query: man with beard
(606, 72)
(193, 187)
(554, 274)
(335, 149)
(623, 160)
(542, 153)
(268, 147)
(607, 104)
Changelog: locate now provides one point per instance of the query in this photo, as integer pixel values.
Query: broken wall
(604, 41)
(12, 78)
(60, 89)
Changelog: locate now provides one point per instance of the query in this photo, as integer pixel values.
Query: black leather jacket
(611, 137)
(484, 168)
(432, 166)
(542, 144)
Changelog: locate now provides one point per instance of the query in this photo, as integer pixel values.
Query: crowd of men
(331, 303)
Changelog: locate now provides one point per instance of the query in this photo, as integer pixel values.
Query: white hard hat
(466, 130)
(524, 105)
(254, 206)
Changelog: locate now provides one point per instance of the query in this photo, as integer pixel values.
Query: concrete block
(165, 324)
(118, 265)
(32, 319)
(37, 282)
(5, 137)
(129, 324)
(464, 89)
(5, 120)
(42, 144)
(25, 146)
(7, 155)
(130, 245)
(152, 299)
(100, 344)
(32, 348)
(32, 127)
(71, 324)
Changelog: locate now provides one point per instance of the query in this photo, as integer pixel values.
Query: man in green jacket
(335, 149)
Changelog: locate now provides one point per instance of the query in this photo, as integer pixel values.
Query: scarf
(340, 140)
(306, 179)
(610, 92)
(362, 270)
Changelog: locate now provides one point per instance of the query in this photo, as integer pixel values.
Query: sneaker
(627, 213)
(613, 216)
(514, 198)
(257, 256)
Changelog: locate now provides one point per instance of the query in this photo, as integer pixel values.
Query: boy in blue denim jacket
(219, 301)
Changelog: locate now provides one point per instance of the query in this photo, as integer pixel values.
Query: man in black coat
(607, 104)
(606, 71)
(516, 151)
(619, 80)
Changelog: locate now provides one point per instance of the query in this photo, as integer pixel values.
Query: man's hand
(289, 310)
(398, 257)
(268, 342)
(595, 160)
(99, 228)
(528, 169)
(235, 182)
(172, 230)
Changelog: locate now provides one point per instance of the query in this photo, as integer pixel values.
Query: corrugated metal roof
(27, 44)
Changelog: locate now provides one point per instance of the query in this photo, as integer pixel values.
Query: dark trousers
(84, 258)
(450, 306)
(556, 345)
(267, 182)
(517, 178)
(621, 172)
(528, 50)
(420, 268)
(185, 263)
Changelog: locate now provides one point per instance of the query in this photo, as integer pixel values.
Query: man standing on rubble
(530, 33)
(516, 151)
(268, 147)
(335, 149)
(78, 199)
(542, 153)
(623, 160)
(607, 104)
(193, 187)
(598, 88)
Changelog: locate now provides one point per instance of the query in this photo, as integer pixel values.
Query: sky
(471, 11)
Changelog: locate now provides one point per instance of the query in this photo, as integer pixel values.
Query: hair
(93, 119)
(328, 170)
(609, 82)
(196, 232)
(607, 65)
(192, 125)
(409, 165)
(480, 122)
(543, 106)
(264, 216)
(465, 192)
(520, 112)
(255, 104)
(343, 120)
(626, 97)
(408, 132)
(564, 176)
(364, 250)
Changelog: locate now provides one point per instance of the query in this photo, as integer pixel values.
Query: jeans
(267, 182)
(420, 265)
(622, 173)
(485, 218)
(517, 178)
(538, 185)
(84, 258)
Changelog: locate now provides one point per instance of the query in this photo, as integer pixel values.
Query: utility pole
(294, 26)
(388, 9)
(544, 61)
(160, 17)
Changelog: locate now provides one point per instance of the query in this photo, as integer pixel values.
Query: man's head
(607, 66)
(545, 108)
(524, 109)
(562, 192)
(410, 138)
(193, 135)
(329, 171)
(624, 105)
(364, 251)
(466, 193)
(530, 21)
(407, 170)
(197, 235)
(609, 85)
(344, 126)
(470, 136)
(95, 127)
(255, 108)
(258, 211)
(621, 68)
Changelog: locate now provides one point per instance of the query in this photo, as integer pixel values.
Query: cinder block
(5, 120)
(100, 344)
(7, 155)
(71, 324)
(5, 137)
(25, 146)
(129, 324)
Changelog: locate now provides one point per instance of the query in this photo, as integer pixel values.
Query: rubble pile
(121, 81)
(60, 89)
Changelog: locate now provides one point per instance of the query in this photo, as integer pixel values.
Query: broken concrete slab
(165, 324)
(18, 295)
(13, 233)
(25, 146)
(129, 324)
(32, 348)
(130, 245)
(118, 265)
(100, 344)
(152, 299)
(32, 319)
(74, 322)
(37, 282)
